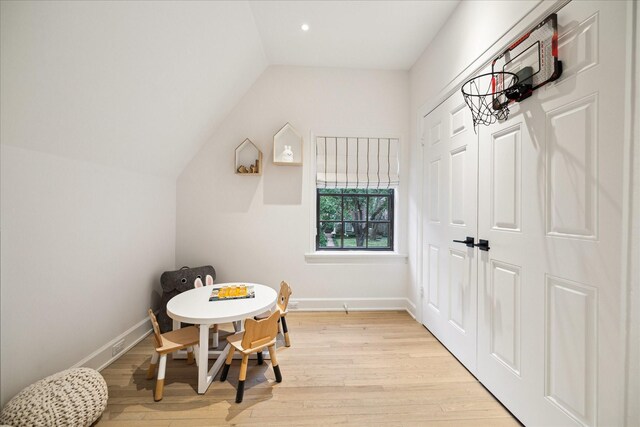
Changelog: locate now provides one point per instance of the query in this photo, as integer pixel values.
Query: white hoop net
(486, 96)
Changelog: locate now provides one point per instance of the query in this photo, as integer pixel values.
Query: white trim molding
(632, 220)
(103, 357)
(355, 257)
(352, 304)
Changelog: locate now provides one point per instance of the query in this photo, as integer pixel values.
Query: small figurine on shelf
(242, 169)
(287, 154)
(252, 169)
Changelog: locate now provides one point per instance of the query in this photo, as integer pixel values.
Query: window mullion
(343, 224)
(366, 225)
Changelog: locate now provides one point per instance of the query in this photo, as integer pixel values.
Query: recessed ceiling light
(304, 27)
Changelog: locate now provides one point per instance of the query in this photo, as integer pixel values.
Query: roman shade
(345, 162)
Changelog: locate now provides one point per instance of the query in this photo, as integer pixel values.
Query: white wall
(258, 228)
(472, 29)
(137, 85)
(95, 98)
(82, 249)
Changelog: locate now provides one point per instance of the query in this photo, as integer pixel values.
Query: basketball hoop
(488, 96)
(524, 66)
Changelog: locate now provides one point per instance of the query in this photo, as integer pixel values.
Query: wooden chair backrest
(257, 333)
(156, 329)
(283, 295)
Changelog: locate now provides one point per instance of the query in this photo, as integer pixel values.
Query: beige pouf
(75, 397)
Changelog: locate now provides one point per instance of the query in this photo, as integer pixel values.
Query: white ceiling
(354, 34)
(142, 85)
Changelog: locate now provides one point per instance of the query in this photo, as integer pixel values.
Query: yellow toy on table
(232, 292)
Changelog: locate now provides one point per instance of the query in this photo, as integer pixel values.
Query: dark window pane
(327, 236)
(330, 208)
(355, 208)
(352, 218)
(355, 234)
(379, 235)
(378, 208)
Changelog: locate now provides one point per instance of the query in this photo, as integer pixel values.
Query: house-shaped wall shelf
(249, 158)
(287, 137)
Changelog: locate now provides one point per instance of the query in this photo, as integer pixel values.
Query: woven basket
(75, 397)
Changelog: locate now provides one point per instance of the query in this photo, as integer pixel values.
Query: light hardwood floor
(361, 368)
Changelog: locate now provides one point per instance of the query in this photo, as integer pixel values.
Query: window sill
(355, 257)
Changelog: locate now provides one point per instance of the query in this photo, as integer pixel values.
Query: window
(354, 219)
(356, 178)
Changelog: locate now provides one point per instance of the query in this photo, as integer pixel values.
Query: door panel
(434, 196)
(450, 269)
(570, 368)
(572, 194)
(434, 278)
(550, 340)
(458, 162)
(506, 175)
(458, 266)
(504, 332)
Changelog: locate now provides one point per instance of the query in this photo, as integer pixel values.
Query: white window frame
(351, 257)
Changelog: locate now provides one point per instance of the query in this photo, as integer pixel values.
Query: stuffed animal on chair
(175, 282)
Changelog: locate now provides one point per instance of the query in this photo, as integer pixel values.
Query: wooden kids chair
(283, 302)
(168, 343)
(257, 335)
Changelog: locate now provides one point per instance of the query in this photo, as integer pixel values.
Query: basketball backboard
(533, 58)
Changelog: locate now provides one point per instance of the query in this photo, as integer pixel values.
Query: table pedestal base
(204, 354)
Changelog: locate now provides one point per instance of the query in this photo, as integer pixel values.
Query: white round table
(193, 306)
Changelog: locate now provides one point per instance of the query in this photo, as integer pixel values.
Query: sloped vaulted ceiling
(140, 85)
(134, 85)
(354, 34)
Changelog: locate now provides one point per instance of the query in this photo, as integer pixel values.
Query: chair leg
(243, 376)
(260, 359)
(190, 358)
(274, 363)
(151, 372)
(287, 342)
(227, 364)
(160, 380)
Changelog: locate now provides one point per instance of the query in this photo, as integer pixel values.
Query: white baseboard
(353, 304)
(411, 309)
(103, 357)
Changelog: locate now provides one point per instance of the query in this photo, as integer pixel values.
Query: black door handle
(483, 245)
(468, 241)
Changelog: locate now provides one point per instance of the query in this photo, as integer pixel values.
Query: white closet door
(450, 203)
(550, 333)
